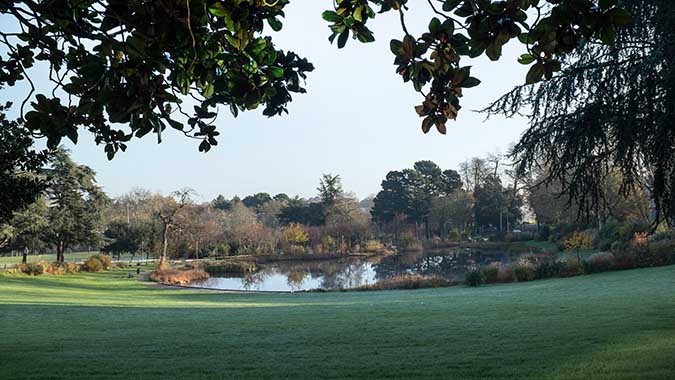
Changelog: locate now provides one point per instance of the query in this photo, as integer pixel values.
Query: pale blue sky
(356, 120)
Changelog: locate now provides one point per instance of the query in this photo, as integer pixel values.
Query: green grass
(72, 256)
(618, 325)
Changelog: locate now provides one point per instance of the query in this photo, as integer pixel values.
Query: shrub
(524, 271)
(599, 262)
(505, 274)
(454, 235)
(105, 260)
(625, 259)
(92, 264)
(473, 277)
(56, 269)
(657, 253)
(296, 234)
(35, 269)
(490, 273)
(549, 268)
(578, 240)
(174, 276)
(407, 281)
(409, 242)
(663, 235)
(571, 267)
(373, 246)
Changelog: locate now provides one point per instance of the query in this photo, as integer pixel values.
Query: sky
(356, 120)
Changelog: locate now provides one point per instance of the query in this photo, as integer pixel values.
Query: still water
(352, 271)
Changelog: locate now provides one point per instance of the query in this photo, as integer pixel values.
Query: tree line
(483, 198)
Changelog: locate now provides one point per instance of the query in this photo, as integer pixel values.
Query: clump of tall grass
(174, 276)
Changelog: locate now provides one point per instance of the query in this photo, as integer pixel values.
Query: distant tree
(454, 211)
(270, 212)
(29, 226)
(256, 200)
(296, 234)
(282, 197)
(20, 167)
(168, 215)
(474, 171)
(245, 234)
(493, 205)
(330, 188)
(452, 181)
(346, 221)
(300, 211)
(199, 224)
(409, 192)
(393, 199)
(125, 238)
(76, 205)
(221, 203)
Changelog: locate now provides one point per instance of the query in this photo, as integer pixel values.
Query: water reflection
(353, 272)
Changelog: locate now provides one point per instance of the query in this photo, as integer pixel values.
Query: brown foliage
(172, 276)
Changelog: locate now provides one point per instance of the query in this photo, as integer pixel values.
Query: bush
(599, 262)
(571, 267)
(373, 246)
(663, 235)
(473, 277)
(92, 264)
(454, 235)
(625, 259)
(34, 269)
(660, 252)
(524, 271)
(549, 268)
(105, 260)
(407, 281)
(173, 276)
(490, 273)
(409, 242)
(505, 274)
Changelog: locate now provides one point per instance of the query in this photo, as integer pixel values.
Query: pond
(350, 272)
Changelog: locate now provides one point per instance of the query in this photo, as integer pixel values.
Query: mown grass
(71, 256)
(618, 325)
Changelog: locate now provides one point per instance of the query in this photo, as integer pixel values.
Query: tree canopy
(611, 107)
(125, 68)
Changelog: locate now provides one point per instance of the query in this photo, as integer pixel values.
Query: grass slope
(618, 325)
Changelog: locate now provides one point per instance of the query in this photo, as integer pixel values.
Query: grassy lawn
(70, 256)
(618, 325)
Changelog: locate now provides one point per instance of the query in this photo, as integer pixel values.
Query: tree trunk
(165, 243)
(60, 248)
(24, 257)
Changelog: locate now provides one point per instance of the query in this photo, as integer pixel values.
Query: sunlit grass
(618, 325)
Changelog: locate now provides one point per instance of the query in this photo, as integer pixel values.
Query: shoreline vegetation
(536, 261)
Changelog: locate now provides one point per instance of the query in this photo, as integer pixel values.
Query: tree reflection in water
(353, 272)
